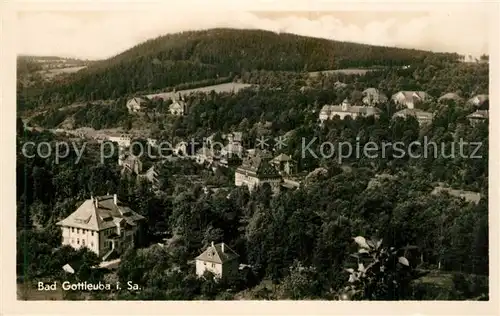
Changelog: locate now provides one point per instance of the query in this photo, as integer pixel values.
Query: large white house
(478, 116)
(410, 98)
(103, 224)
(219, 259)
(123, 140)
(373, 96)
(256, 170)
(345, 109)
(135, 104)
(421, 116)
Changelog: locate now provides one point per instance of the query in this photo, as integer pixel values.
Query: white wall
(78, 237)
(202, 266)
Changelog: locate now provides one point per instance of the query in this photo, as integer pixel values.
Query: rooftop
(479, 114)
(218, 253)
(98, 213)
(348, 108)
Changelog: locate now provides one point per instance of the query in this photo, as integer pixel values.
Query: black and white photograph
(251, 155)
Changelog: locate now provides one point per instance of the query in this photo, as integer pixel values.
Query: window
(83, 242)
(72, 240)
(92, 233)
(91, 244)
(213, 265)
(78, 231)
(78, 241)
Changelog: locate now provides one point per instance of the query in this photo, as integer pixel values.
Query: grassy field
(51, 73)
(219, 88)
(349, 71)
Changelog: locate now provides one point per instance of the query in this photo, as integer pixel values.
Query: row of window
(83, 231)
(83, 242)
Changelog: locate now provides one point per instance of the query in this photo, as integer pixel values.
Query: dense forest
(190, 57)
(279, 235)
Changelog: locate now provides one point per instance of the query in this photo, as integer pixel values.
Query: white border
(9, 303)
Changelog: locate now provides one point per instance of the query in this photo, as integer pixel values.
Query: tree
(381, 274)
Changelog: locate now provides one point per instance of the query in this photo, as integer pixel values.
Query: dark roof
(479, 114)
(258, 165)
(215, 254)
(282, 158)
(450, 96)
(101, 214)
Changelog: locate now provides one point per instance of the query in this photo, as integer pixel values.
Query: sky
(103, 34)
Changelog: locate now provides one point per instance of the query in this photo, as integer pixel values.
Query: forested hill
(193, 56)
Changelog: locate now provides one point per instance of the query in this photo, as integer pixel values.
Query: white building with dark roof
(123, 140)
(345, 109)
(411, 98)
(219, 259)
(373, 96)
(478, 116)
(135, 104)
(256, 170)
(103, 224)
(421, 116)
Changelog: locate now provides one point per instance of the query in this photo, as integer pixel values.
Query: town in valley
(234, 208)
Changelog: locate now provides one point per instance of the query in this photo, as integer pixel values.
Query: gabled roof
(479, 114)
(215, 254)
(258, 165)
(177, 105)
(450, 96)
(137, 100)
(373, 95)
(100, 214)
(412, 95)
(282, 158)
(478, 99)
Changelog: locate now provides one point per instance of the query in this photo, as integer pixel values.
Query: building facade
(104, 225)
(135, 105)
(218, 259)
(178, 107)
(372, 96)
(257, 170)
(421, 116)
(410, 98)
(345, 109)
(478, 116)
(123, 140)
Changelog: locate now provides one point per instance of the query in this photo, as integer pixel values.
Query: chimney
(96, 202)
(115, 199)
(212, 244)
(222, 247)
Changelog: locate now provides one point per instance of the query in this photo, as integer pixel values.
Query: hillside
(189, 57)
(33, 71)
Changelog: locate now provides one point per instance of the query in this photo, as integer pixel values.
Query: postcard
(193, 157)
